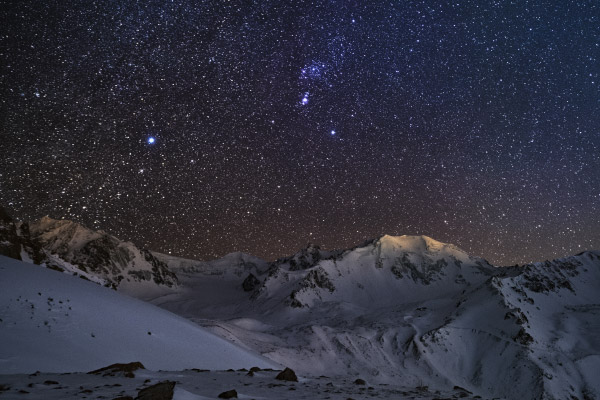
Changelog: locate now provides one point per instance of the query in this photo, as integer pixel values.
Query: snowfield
(54, 322)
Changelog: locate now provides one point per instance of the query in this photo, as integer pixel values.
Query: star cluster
(201, 128)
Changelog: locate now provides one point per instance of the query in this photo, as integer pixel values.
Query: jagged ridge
(94, 255)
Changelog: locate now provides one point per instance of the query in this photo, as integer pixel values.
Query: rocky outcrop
(250, 283)
(287, 375)
(119, 369)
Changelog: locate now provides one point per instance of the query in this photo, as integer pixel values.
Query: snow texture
(54, 322)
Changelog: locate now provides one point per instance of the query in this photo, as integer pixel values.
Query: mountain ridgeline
(69, 247)
(396, 308)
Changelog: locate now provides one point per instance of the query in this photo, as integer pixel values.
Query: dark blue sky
(279, 123)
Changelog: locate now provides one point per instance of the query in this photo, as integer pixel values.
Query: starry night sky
(278, 123)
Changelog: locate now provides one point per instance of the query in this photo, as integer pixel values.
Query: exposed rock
(360, 382)
(70, 244)
(250, 283)
(318, 277)
(160, 391)
(287, 375)
(15, 240)
(9, 240)
(114, 369)
(523, 337)
(293, 301)
(462, 389)
(161, 274)
(230, 394)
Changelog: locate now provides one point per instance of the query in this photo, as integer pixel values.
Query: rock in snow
(287, 375)
(159, 391)
(229, 394)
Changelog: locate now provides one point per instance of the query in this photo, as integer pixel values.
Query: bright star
(151, 140)
(305, 99)
(332, 132)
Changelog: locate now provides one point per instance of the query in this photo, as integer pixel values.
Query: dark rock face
(161, 274)
(160, 391)
(360, 382)
(403, 266)
(523, 337)
(230, 394)
(318, 278)
(293, 301)
(307, 258)
(114, 369)
(287, 375)
(250, 283)
(102, 255)
(550, 276)
(10, 245)
(15, 238)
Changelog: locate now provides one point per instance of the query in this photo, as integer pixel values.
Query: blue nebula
(151, 140)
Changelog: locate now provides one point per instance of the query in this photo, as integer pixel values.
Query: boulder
(287, 375)
(160, 391)
(230, 394)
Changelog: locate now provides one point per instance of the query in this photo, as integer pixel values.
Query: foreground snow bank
(54, 322)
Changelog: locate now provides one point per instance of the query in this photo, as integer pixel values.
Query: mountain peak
(419, 244)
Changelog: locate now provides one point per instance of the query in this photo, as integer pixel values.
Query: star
(264, 99)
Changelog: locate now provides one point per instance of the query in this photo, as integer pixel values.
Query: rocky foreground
(132, 381)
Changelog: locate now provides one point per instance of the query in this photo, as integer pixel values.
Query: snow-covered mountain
(408, 309)
(404, 309)
(379, 273)
(54, 322)
(69, 247)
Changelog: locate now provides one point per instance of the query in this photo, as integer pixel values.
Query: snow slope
(414, 310)
(215, 286)
(54, 322)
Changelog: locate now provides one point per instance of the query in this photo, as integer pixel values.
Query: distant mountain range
(405, 308)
